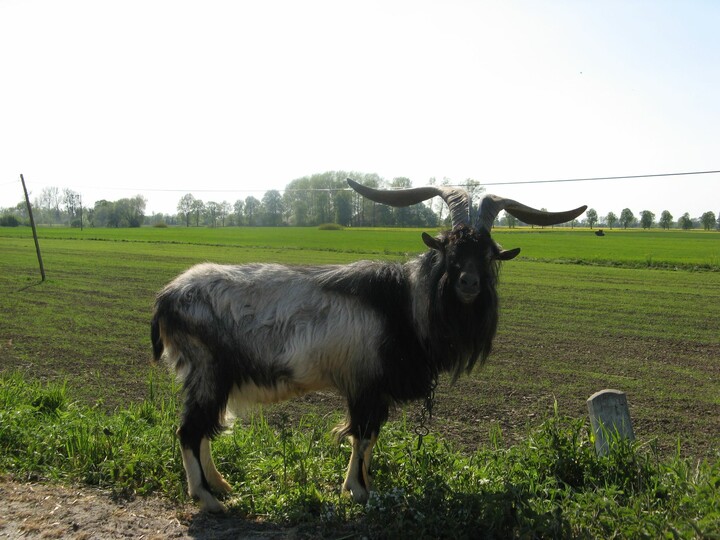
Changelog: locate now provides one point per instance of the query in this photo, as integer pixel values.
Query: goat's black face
(470, 260)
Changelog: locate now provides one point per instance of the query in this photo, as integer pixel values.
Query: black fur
(460, 335)
(457, 334)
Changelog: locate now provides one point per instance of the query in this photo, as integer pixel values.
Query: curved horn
(457, 199)
(491, 206)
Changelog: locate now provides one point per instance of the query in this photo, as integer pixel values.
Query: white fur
(285, 320)
(359, 464)
(195, 488)
(325, 339)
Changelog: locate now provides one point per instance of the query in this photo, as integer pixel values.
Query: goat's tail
(155, 338)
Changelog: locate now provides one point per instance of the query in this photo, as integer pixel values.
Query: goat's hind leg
(216, 481)
(202, 476)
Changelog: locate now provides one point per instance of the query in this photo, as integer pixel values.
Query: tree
(685, 222)
(272, 204)
(611, 219)
(300, 212)
(252, 205)
(401, 214)
(49, 203)
(646, 219)
(475, 190)
(511, 220)
(224, 210)
(131, 212)
(121, 213)
(73, 207)
(708, 220)
(312, 200)
(101, 215)
(185, 207)
(592, 217)
(238, 208)
(343, 208)
(626, 218)
(197, 207)
(666, 219)
(212, 210)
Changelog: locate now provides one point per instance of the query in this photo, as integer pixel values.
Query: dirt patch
(83, 513)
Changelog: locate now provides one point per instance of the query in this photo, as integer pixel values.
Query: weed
(551, 485)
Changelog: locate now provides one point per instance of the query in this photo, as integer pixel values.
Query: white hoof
(219, 485)
(359, 494)
(208, 503)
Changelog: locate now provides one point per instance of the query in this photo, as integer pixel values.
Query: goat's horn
(456, 199)
(491, 206)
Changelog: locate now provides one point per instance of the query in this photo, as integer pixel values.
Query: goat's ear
(507, 254)
(433, 243)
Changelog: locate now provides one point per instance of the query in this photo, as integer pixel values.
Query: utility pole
(34, 230)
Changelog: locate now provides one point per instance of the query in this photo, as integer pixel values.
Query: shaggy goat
(379, 333)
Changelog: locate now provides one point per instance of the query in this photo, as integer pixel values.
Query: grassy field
(634, 310)
(635, 248)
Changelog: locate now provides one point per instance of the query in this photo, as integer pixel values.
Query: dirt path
(82, 513)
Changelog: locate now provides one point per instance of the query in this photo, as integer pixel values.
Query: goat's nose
(469, 280)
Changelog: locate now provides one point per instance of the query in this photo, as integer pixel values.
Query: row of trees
(52, 206)
(313, 200)
(307, 201)
(647, 220)
(55, 206)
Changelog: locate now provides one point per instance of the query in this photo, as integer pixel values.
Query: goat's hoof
(208, 503)
(213, 507)
(359, 494)
(221, 487)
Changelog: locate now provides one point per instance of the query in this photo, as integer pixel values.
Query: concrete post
(610, 418)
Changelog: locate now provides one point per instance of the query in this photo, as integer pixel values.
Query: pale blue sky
(117, 98)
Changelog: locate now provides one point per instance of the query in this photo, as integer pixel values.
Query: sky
(226, 99)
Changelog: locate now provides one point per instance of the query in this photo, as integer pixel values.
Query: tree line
(55, 206)
(646, 220)
(308, 201)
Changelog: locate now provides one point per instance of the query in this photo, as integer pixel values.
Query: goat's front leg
(357, 478)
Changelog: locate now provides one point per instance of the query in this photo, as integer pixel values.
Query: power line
(596, 178)
(509, 183)
(516, 182)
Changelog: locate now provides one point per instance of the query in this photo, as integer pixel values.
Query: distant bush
(9, 221)
(160, 225)
(330, 227)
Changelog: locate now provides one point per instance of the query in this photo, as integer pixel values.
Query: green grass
(578, 313)
(696, 250)
(551, 485)
(635, 248)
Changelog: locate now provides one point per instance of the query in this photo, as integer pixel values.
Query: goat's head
(468, 250)
(468, 260)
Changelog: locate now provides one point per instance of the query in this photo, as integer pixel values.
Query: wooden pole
(34, 230)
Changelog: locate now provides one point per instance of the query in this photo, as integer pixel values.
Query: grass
(634, 248)
(578, 314)
(551, 485)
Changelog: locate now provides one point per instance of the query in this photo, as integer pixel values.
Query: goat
(379, 333)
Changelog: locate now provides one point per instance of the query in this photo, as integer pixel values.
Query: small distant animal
(377, 332)
(599, 232)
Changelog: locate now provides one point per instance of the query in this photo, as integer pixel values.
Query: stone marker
(610, 418)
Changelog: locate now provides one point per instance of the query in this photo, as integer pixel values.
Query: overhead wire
(508, 183)
(593, 179)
